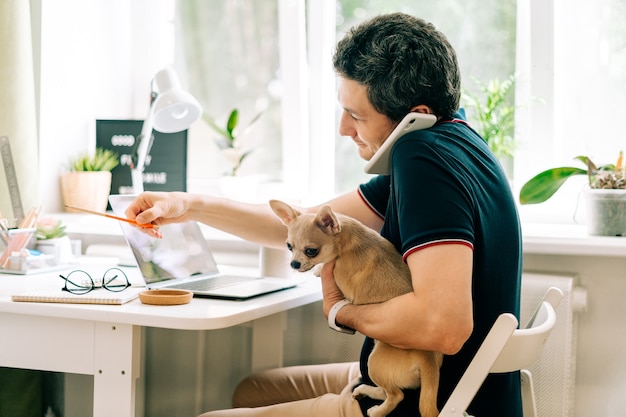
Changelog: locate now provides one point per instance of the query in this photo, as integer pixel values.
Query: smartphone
(381, 161)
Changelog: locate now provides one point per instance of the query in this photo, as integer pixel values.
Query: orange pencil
(110, 216)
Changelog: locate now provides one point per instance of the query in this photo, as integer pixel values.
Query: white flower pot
(606, 212)
(60, 248)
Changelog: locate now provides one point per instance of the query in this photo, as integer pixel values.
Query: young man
(446, 206)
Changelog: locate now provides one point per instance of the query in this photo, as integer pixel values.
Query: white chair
(507, 349)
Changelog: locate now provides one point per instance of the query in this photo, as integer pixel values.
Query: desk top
(199, 314)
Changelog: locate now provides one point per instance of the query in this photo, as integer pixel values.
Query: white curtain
(18, 118)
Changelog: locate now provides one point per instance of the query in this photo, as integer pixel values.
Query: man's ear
(327, 221)
(422, 108)
(284, 211)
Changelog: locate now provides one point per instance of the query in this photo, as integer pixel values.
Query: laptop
(183, 260)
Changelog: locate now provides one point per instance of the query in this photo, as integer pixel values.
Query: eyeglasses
(80, 282)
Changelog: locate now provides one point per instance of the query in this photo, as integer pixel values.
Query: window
(573, 57)
(482, 33)
(275, 56)
(229, 51)
(235, 64)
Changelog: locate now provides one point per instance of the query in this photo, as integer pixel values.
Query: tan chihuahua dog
(368, 269)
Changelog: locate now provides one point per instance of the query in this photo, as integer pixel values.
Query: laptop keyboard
(213, 283)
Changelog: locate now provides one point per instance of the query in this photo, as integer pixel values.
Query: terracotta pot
(86, 189)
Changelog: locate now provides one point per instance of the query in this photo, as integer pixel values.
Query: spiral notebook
(99, 296)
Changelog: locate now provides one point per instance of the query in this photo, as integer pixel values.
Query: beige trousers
(297, 391)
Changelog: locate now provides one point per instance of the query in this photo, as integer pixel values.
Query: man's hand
(332, 294)
(158, 209)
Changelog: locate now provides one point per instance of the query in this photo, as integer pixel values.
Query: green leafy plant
(543, 185)
(493, 114)
(229, 140)
(49, 228)
(101, 160)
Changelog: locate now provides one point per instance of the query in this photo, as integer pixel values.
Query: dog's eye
(290, 247)
(311, 252)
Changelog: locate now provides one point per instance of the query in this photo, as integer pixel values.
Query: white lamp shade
(175, 110)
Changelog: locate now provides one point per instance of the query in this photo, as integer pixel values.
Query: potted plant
(51, 239)
(605, 197)
(49, 228)
(229, 143)
(229, 139)
(87, 183)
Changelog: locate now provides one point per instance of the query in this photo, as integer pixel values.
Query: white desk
(105, 341)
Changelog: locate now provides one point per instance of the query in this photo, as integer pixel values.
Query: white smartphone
(381, 161)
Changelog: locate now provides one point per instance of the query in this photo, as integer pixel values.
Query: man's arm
(436, 316)
(254, 222)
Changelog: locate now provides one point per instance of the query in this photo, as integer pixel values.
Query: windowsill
(569, 239)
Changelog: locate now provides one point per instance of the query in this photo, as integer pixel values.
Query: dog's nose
(295, 264)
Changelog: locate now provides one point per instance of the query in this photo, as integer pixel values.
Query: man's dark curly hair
(403, 61)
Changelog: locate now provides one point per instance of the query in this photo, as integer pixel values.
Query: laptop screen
(181, 253)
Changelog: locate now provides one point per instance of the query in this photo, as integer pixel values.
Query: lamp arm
(143, 146)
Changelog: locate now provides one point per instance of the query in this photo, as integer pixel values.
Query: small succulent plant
(101, 160)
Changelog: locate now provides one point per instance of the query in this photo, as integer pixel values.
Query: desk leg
(116, 368)
(267, 341)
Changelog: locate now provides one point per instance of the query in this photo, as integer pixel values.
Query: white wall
(101, 71)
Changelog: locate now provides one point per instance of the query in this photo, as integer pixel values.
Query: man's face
(367, 128)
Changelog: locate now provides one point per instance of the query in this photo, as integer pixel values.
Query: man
(446, 206)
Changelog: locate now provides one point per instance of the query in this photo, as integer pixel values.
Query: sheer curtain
(18, 119)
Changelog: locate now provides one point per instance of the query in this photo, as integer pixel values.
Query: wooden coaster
(165, 297)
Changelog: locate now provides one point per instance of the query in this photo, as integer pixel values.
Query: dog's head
(310, 237)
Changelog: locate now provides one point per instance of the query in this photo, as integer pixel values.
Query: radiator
(554, 373)
(307, 341)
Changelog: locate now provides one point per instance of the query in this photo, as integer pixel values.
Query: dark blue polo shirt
(447, 187)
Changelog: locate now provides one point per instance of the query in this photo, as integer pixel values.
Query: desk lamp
(171, 110)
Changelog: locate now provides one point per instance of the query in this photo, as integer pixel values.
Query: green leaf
(543, 185)
(232, 123)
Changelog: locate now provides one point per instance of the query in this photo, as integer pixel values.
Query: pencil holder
(12, 242)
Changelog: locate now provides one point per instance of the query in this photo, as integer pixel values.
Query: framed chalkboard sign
(166, 166)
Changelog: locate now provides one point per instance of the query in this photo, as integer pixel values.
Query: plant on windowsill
(229, 139)
(605, 197)
(87, 183)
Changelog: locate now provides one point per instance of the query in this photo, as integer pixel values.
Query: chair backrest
(505, 349)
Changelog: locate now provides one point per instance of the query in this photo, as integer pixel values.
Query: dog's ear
(284, 211)
(327, 221)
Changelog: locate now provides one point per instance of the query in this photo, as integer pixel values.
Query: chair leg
(529, 406)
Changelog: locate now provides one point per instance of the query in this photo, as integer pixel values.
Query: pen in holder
(12, 242)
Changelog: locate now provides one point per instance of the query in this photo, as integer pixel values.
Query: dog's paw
(358, 393)
(317, 270)
(364, 390)
(375, 411)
